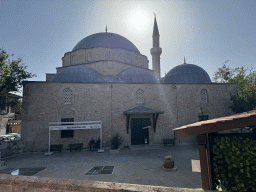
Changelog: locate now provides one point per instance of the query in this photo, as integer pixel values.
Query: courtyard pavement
(136, 165)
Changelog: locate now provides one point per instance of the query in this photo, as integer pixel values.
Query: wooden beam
(127, 122)
(204, 153)
(214, 126)
(155, 116)
(209, 162)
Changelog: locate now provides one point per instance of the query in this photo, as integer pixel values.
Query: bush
(234, 163)
(116, 141)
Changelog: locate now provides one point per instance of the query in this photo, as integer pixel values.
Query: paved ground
(137, 166)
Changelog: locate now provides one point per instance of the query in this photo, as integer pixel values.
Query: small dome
(76, 74)
(187, 73)
(107, 40)
(136, 75)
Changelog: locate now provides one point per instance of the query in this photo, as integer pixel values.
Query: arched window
(73, 59)
(139, 96)
(68, 95)
(204, 96)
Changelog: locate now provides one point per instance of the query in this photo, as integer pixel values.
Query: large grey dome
(187, 73)
(76, 74)
(107, 40)
(136, 75)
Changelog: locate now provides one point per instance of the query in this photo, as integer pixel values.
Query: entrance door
(138, 133)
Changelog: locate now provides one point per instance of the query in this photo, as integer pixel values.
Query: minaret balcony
(156, 51)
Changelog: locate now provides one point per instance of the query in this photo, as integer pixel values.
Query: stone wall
(49, 76)
(9, 148)
(43, 102)
(11, 183)
(82, 56)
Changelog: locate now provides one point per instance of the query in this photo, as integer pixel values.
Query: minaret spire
(155, 30)
(156, 50)
(106, 29)
(185, 61)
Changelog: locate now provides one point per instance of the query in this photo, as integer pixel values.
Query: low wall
(11, 183)
(9, 148)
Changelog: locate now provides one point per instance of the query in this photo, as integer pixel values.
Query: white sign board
(75, 125)
(69, 127)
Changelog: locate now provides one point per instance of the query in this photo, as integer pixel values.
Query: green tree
(245, 99)
(12, 73)
(18, 106)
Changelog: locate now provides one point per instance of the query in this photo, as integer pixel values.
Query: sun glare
(139, 19)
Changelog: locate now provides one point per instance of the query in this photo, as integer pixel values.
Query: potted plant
(116, 141)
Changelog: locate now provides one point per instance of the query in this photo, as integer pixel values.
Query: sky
(206, 32)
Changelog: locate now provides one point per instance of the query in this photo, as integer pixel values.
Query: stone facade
(44, 103)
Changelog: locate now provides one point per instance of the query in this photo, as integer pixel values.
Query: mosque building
(106, 78)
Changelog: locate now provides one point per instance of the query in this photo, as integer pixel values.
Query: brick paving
(139, 165)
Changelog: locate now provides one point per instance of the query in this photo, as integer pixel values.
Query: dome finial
(106, 29)
(184, 61)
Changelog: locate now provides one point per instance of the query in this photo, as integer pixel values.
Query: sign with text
(69, 127)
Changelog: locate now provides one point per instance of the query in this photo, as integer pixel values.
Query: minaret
(156, 51)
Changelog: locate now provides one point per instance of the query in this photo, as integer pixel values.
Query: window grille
(204, 96)
(68, 95)
(139, 96)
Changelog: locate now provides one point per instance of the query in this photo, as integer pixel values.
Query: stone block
(5, 188)
(5, 181)
(20, 183)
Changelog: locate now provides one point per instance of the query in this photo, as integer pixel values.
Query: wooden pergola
(203, 128)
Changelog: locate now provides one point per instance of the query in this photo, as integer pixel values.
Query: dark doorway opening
(139, 134)
(67, 133)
